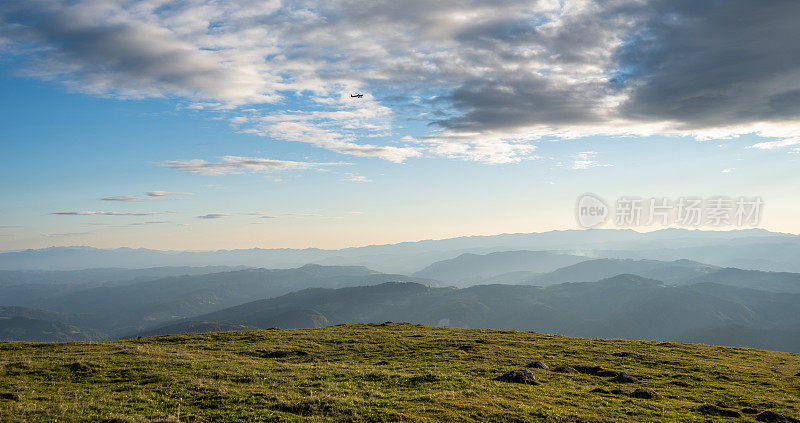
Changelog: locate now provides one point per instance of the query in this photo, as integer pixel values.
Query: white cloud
(166, 193)
(356, 178)
(728, 170)
(236, 164)
(771, 145)
(585, 160)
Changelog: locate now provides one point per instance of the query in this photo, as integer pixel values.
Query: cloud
(771, 145)
(481, 147)
(337, 130)
(356, 178)
(236, 164)
(109, 213)
(166, 193)
(214, 216)
(486, 78)
(728, 170)
(126, 198)
(121, 50)
(585, 160)
(66, 235)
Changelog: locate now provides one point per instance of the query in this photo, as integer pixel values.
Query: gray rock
(538, 365)
(518, 376)
(623, 377)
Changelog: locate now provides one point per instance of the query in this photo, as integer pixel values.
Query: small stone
(565, 369)
(644, 393)
(623, 377)
(538, 365)
(518, 376)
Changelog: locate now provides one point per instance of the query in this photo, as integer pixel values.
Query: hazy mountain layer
(753, 248)
(624, 306)
(471, 269)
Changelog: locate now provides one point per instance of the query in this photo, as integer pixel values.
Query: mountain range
(755, 249)
(461, 282)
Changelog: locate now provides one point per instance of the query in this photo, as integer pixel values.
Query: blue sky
(273, 152)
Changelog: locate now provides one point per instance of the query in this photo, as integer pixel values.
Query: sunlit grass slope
(390, 372)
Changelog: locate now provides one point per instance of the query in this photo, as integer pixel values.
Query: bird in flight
(357, 95)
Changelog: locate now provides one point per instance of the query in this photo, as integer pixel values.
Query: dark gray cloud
(483, 72)
(711, 63)
(515, 102)
(214, 216)
(103, 48)
(123, 198)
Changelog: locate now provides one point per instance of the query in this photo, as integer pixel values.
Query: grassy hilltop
(391, 372)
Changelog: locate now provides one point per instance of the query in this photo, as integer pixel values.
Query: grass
(386, 372)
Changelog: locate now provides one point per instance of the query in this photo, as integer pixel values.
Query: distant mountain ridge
(409, 257)
(121, 309)
(32, 325)
(624, 306)
(473, 268)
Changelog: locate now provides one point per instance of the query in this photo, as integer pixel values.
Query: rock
(618, 392)
(538, 365)
(565, 369)
(644, 393)
(772, 416)
(749, 410)
(518, 376)
(623, 377)
(713, 410)
(9, 396)
(600, 391)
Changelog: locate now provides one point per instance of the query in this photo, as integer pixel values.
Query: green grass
(394, 372)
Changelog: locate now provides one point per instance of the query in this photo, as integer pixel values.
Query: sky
(221, 124)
